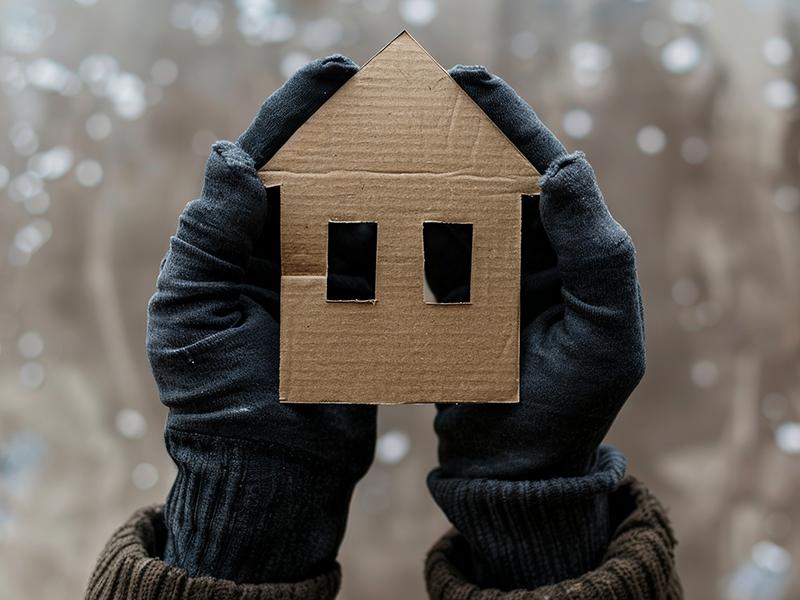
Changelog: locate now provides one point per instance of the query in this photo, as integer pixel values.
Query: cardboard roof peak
(406, 34)
(406, 77)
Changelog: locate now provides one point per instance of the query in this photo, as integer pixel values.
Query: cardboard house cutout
(399, 148)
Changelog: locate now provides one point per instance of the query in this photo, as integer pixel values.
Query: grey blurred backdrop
(688, 110)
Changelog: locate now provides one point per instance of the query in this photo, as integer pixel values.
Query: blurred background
(688, 110)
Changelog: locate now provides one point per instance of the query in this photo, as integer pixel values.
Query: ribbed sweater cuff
(526, 534)
(129, 568)
(252, 512)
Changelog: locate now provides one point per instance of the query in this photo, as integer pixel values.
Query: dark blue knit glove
(521, 481)
(263, 489)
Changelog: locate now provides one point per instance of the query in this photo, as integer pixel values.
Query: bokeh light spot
(98, 126)
(777, 51)
(704, 373)
(31, 375)
(392, 447)
(418, 12)
(681, 55)
(89, 173)
(780, 93)
(144, 476)
(30, 345)
(651, 140)
(578, 123)
(131, 424)
(694, 150)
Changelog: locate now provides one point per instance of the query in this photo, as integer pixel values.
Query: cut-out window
(352, 254)
(447, 249)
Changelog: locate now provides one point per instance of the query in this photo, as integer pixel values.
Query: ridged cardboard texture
(400, 144)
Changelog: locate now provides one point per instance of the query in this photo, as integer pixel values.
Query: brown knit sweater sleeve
(129, 569)
(639, 563)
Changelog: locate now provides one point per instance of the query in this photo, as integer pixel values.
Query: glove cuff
(514, 527)
(252, 512)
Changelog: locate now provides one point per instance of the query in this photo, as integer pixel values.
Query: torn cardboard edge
(400, 144)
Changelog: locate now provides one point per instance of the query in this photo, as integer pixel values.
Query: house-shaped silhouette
(399, 146)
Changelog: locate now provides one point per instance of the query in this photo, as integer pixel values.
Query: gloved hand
(581, 355)
(263, 488)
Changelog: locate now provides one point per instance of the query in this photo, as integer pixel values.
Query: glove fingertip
(562, 161)
(233, 154)
(339, 59)
(337, 67)
(470, 74)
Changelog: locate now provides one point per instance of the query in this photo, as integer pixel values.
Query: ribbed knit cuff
(526, 534)
(639, 563)
(252, 512)
(129, 568)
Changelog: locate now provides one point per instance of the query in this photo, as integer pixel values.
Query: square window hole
(352, 253)
(447, 249)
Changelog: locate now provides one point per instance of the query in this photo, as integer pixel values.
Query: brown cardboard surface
(400, 144)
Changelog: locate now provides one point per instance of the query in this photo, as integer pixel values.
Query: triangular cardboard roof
(416, 100)
(400, 144)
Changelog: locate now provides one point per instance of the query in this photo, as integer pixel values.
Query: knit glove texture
(263, 488)
(522, 480)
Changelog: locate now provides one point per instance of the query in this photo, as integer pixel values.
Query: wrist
(252, 512)
(509, 443)
(525, 534)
